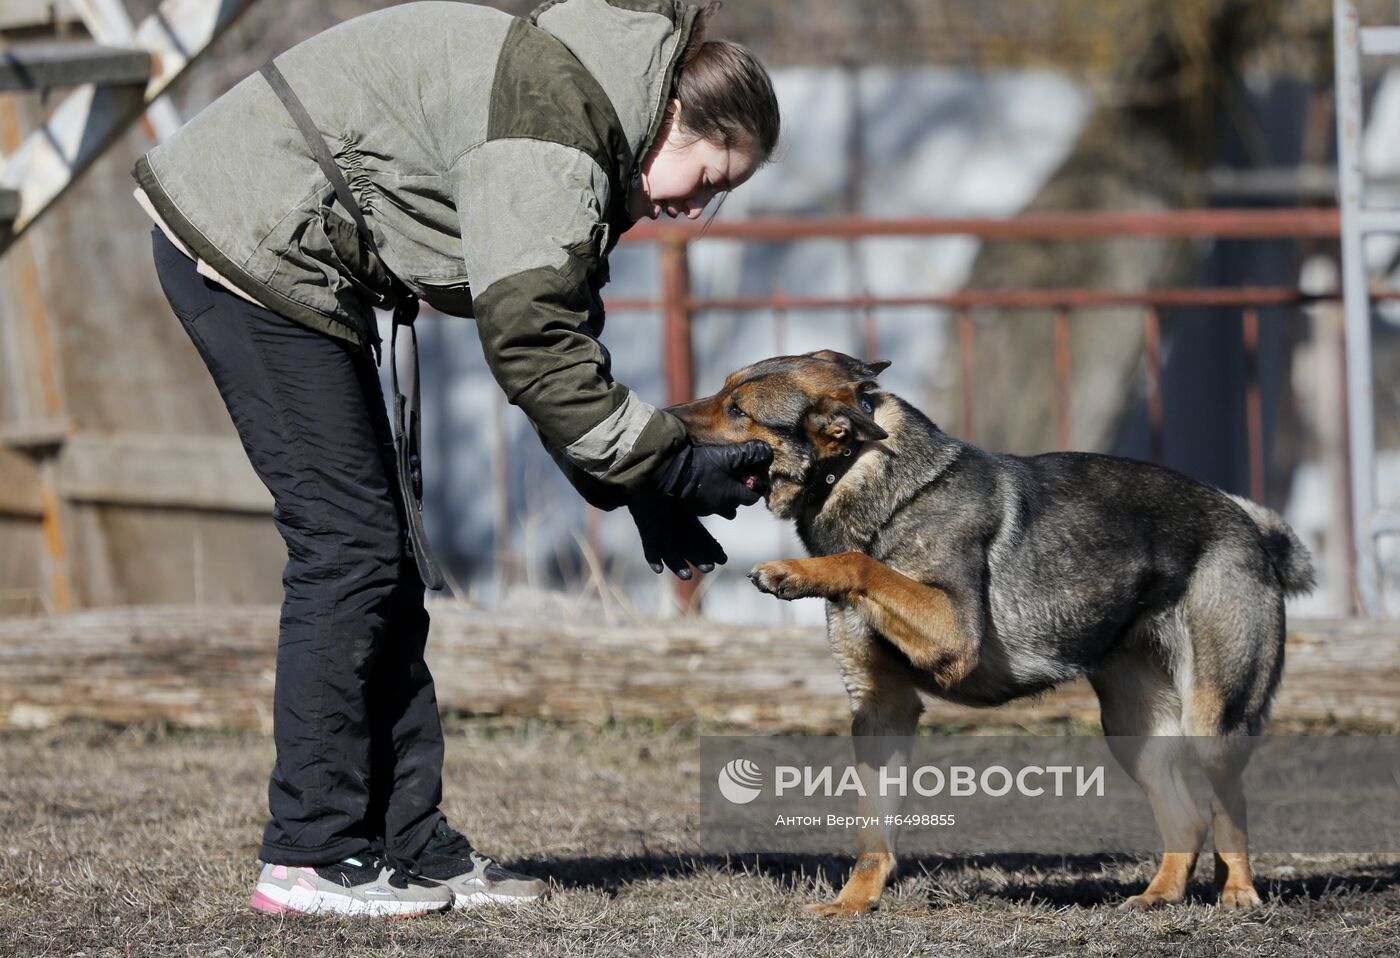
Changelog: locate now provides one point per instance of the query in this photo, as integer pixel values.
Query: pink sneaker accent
(303, 883)
(279, 872)
(260, 902)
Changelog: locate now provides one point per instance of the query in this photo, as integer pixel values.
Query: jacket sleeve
(533, 235)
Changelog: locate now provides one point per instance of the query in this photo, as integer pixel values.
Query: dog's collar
(828, 473)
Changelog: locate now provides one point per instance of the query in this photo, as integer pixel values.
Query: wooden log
(213, 667)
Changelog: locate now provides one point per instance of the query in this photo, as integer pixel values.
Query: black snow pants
(355, 720)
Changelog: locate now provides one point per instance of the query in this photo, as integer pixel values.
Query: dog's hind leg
(1141, 712)
(885, 714)
(938, 629)
(1223, 758)
(1237, 658)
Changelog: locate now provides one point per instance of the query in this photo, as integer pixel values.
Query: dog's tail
(1290, 558)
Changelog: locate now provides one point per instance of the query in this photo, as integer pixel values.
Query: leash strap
(407, 407)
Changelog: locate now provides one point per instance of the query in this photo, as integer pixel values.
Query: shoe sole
(271, 900)
(482, 898)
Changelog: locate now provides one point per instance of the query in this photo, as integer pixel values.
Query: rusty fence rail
(678, 306)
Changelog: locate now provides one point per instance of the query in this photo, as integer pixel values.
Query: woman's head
(721, 125)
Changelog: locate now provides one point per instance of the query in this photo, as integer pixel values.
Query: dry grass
(141, 842)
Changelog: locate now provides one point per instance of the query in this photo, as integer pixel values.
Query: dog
(981, 578)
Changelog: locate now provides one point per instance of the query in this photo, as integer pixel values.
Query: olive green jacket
(492, 158)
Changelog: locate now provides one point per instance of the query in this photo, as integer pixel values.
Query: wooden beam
(214, 667)
(47, 64)
(35, 435)
(91, 118)
(185, 472)
(35, 14)
(19, 486)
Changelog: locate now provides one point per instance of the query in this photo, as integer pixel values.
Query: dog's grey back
(1080, 554)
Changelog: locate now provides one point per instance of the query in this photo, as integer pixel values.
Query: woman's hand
(672, 537)
(716, 480)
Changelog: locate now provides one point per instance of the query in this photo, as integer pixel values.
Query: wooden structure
(213, 667)
(108, 491)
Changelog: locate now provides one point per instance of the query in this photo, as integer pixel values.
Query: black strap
(317, 142)
(407, 415)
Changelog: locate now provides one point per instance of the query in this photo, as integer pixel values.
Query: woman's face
(682, 173)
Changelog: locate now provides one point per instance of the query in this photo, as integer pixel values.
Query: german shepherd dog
(980, 578)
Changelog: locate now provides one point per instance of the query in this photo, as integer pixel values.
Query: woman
(495, 161)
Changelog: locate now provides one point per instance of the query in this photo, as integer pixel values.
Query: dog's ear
(832, 356)
(855, 366)
(837, 420)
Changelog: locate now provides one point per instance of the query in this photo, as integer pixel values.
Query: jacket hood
(631, 47)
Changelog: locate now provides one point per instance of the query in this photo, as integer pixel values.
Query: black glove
(709, 480)
(673, 537)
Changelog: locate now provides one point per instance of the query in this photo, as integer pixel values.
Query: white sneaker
(350, 887)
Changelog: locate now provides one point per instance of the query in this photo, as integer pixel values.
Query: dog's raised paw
(779, 579)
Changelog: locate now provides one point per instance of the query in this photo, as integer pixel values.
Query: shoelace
(451, 842)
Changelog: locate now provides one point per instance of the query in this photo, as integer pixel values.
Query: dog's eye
(736, 412)
(865, 404)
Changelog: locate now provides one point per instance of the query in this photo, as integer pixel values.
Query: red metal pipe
(967, 345)
(1152, 338)
(1239, 296)
(779, 321)
(1218, 224)
(1254, 410)
(870, 333)
(500, 459)
(1171, 297)
(1062, 378)
(678, 363)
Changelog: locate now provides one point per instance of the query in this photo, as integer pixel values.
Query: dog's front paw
(783, 579)
(832, 909)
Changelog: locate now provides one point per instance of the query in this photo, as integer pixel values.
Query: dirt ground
(141, 841)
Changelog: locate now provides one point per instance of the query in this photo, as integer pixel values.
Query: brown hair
(725, 94)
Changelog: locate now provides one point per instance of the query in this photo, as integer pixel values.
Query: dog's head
(807, 408)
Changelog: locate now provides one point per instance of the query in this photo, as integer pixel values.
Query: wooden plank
(188, 472)
(48, 64)
(35, 435)
(214, 667)
(33, 14)
(19, 486)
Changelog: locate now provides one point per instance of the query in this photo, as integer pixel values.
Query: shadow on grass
(1060, 880)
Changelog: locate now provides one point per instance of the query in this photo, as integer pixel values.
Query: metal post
(1062, 375)
(967, 346)
(500, 461)
(1355, 296)
(678, 361)
(1152, 340)
(1253, 408)
(870, 329)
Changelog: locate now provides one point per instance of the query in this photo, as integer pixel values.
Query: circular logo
(740, 781)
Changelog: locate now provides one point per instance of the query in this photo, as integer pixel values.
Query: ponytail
(725, 94)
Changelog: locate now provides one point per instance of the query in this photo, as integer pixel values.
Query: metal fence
(678, 306)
